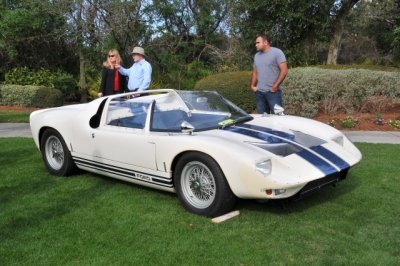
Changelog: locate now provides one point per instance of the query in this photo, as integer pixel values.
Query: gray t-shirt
(267, 66)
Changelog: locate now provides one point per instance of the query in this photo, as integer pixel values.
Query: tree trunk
(82, 75)
(334, 47)
(336, 41)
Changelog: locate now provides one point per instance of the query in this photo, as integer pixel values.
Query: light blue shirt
(139, 75)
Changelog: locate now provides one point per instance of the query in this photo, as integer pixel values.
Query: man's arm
(122, 70)
(254, 80)
(282, 74)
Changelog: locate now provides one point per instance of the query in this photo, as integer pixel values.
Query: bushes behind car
(60, 80)
(309, 90)
(30, 96)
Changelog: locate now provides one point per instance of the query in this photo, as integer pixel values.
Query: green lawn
(8, 116)
(90, 220)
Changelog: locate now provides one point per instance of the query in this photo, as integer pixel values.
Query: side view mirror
(186, 127)
(278, 110)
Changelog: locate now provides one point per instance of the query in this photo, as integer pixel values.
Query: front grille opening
(317, 184)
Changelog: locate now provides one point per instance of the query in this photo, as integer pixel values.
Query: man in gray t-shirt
(269, 71)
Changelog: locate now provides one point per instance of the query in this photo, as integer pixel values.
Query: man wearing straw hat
(139, 74)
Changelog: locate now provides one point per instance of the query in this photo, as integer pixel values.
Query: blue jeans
(265, 101)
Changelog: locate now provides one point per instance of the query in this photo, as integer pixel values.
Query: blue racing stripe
(322, 165)
(255, 134)
(270, 131)
(339, 162)
(263, 133)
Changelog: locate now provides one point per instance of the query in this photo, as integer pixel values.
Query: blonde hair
(118, 59)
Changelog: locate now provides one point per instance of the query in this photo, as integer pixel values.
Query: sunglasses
(111, 55)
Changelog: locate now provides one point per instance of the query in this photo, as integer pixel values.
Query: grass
(8, 116)
(87, 219)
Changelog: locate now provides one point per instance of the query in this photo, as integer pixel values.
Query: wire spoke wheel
(54, 152)
(198, 184)
(201, 185)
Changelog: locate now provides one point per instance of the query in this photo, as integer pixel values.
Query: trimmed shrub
(30, 96)
(42, 77)
(47, 97)
(67, 84)
(235, 86)
(309, 90)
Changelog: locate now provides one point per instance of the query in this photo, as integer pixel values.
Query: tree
(301, 28)
(186, 32)
(373, 24)
(339, 13)
(80, 46)
(31, 36)
(297, 27)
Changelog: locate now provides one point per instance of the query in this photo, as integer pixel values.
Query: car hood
(296, 137)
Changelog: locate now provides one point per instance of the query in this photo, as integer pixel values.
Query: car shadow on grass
(324, 195)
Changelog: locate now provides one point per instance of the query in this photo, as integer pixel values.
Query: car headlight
(264, 167)
(339, 140)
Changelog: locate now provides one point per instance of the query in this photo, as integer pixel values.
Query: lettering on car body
(143, 177)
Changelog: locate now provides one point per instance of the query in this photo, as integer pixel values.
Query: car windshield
(202, 110)
(169, 109)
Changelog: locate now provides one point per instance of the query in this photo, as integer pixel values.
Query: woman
(111, 81)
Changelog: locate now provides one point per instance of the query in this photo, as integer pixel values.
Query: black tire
(201, 185)
(56, 156)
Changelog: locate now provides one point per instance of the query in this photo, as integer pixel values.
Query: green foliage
(335, 91)
(173, 71)
(333, 122)
(396, 46)
(32, 35)
(195, 71)
(66, 83)
(235, 86)
(94, 86)
(47, 97)
(297, 27)
(30, 96)
(349, 122)
(360, 66)
(395, 123)
(308, 90)
(42, 77)
(26, 76)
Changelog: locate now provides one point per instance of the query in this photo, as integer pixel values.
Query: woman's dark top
(107, 82)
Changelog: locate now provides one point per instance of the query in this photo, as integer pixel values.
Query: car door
(123, 146)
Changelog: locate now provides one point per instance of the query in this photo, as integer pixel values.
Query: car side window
(127, 113)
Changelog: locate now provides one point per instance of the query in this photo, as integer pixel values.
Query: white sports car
(194, 143)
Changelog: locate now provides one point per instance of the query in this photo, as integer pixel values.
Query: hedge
(309, 90)
(60, 80)
(235, 86)
(30, 96)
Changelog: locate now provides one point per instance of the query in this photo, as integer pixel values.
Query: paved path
(15, 130)
(391, 137)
